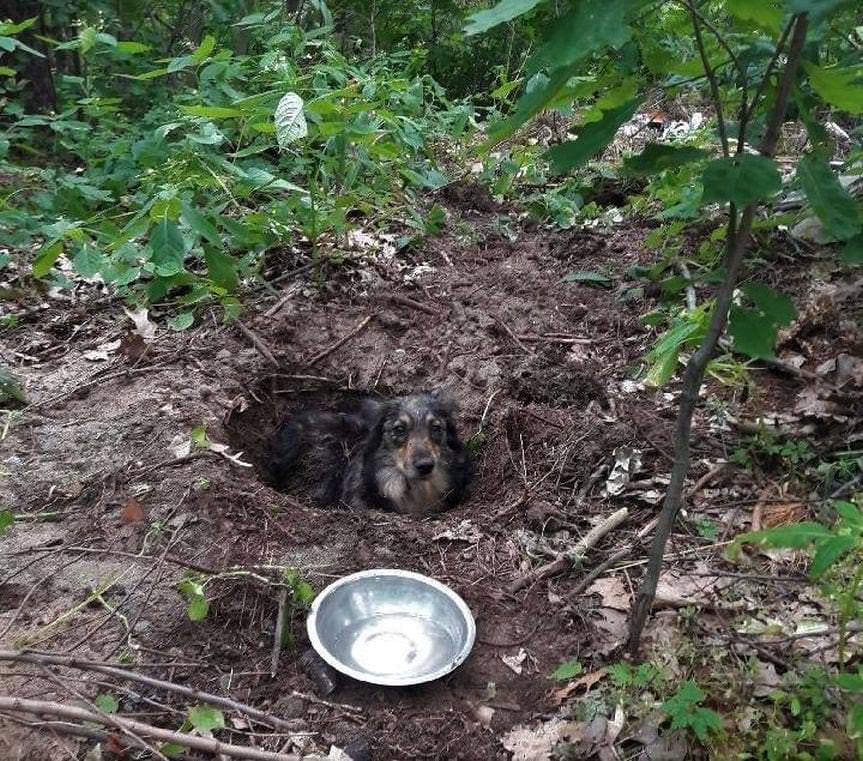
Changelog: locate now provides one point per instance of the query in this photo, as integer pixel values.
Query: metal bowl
(391, 627)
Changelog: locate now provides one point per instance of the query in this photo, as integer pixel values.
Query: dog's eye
(436, 427)
(399, 429)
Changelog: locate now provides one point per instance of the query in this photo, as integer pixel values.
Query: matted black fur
(404, 455)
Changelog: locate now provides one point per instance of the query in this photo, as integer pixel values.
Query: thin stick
(514, 337)
(711, 76)
(262, 348)
(613, 558)
(408, 302)
(326, 352)
(108, 719)
(50, 708)
(202, 697)
(566, 560)
(280, 628)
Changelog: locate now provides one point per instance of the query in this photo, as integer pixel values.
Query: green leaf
(828, 552)
(206, 718)
(832, 203)
(657, 158)
(148, 74)
(200, 438)
(685, 711)
(590, 26)
(591, 278)
(131, 47)
(107, 703)
(764, 13)
(16, 28)
(168, 249)
(200, 224)
(753, 334)
(10, 388)
(794, 535)
(87, 38)
(222, 268)
(182, 321)
(567, 671)
(855, 721)
(538, 93)
(592, 138)
(7, 518)
(842, 88)
(505, 10)
(817, 9)
(204, 49)
(849, 512)
(303, 593)
(89, 261)
(775, 306)
(435, 220)
(290, 120)
(180, 64)
(662, 370)
(852, 682)
(5, 71)
(197, 608)
(48, 254)
(212, 112)
(852, 251)
(742, 179)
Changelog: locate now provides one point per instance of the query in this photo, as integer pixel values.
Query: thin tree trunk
(736, 244)
(40, 95)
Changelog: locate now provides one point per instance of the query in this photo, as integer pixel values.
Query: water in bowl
(394, 644)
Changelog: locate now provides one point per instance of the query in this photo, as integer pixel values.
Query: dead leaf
(133, 512)
(465, 531)
(484, 715)
(534, 743)
(613, 592)
(515, 661)
(143, 326)
(613, 626)
(586, 681)
(627, 462)
(180, 446)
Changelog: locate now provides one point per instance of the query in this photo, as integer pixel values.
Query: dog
(403, 455)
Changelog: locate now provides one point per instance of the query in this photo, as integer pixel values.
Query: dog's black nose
(424, 466)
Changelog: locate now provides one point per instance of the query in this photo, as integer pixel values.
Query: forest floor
(114, 507)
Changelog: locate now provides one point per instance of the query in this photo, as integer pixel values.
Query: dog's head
(417, 433)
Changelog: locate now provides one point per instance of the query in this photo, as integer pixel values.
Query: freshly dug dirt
(115, 512)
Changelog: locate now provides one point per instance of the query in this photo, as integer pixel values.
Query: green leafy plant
(567, 671)
(686, 711)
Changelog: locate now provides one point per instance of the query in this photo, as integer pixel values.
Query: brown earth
(106, 501)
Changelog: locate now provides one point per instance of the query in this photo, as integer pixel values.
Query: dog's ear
(444, 398)
(371, 411)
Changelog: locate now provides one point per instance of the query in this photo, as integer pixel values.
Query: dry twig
(73, 713)
(566, 560)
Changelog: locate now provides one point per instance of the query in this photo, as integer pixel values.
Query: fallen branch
(614, 558)
(567, 559)
(208, 745)
(408, 302)
(326, 352)
(262, 348)
(45, 659)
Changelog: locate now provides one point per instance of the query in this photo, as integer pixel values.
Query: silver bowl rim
(391, 681)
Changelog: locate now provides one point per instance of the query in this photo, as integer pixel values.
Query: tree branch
(711, 77)
(736, 244)
(45, 659)
(73, 713)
